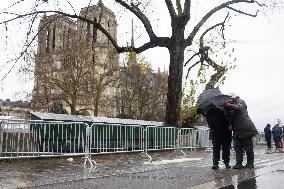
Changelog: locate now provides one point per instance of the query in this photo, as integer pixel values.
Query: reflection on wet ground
(272, 180)
(166, 171)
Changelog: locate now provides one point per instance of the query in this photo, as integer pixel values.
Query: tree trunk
(175, 77)
(73, 109)
(96, 105)
(73, 105)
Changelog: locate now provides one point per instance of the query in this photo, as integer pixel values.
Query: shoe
(227, 166)
(215, 167)
(238, 166)
(249, 166)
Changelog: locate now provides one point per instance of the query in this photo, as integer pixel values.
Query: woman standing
(243, 131)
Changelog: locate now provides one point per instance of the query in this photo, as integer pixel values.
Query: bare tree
(63, 76)
(134, 87)
(176, 43)
(142, 91)
(102, 86)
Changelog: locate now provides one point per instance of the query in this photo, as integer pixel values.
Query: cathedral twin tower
(72, 57)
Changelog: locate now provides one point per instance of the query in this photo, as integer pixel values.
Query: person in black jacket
(267, 133)
(221, 136)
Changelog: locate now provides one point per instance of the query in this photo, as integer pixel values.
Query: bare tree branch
(179, 9)
(171, 9)
(135, 10)
(188, 70)
(71, 7)
(191, 36)
(154, 42)
(196, 54)
(241, 12)
(211, 28)
(186, 11)
(27, 45)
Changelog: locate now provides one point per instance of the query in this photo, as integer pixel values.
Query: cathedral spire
(100, 3)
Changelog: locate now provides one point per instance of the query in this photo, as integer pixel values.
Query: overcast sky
(258, 77)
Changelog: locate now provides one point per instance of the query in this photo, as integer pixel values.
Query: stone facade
(75, 53)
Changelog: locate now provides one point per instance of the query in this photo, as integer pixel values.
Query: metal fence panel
(19, 138)
(110, 138)
(185, 138)
(201, 138)
(161, 138)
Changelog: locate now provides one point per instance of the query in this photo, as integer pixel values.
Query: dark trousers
(278, 143)
(268, 142)
(241, 145)
(224, 144)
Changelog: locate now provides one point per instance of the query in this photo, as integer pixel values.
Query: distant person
(221, 136)
(267, 133)
(243, 131)
(277, 134)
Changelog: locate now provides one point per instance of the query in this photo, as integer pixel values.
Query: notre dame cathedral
(77, 68)
(76, 64)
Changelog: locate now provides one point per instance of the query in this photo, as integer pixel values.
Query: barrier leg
(178, 147)
(145, 149)
(87, 158)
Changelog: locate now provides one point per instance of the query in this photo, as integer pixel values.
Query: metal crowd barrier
(185, 139)
(260, 139)
(111, 138)
(201, 139)
(161, 138)
(20, 138)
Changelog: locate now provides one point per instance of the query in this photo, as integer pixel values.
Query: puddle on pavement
(272, 180)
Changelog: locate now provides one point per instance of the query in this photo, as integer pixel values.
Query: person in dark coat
(243, 131)
(221, 136)
(277, 133)
(267, 133)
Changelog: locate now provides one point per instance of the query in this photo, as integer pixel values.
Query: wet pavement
(166, 171)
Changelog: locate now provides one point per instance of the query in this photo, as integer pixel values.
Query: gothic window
(64, 38)
(53, 38)
(69, 38)
(47, 40)
(88, 33)
(108, 26)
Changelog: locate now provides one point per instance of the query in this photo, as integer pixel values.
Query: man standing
(221, 136)
(277, 133)
(243, 131)
(267, 133)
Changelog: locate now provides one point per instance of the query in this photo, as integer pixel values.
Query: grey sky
(258, 77)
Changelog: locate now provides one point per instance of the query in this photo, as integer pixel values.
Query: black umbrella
(211, 99)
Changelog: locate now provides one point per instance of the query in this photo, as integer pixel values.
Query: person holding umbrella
(209, 104)
(221, 136)
(243, 131)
